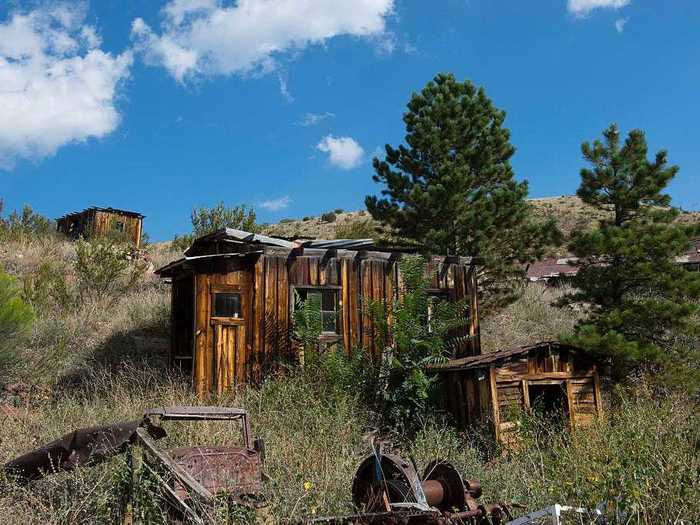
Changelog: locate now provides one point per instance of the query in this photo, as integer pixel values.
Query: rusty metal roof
(551, 267)
(486, 360)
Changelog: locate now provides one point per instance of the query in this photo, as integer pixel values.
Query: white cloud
(344, 152)
(208, 37)
(620, 24)
(284, 88)
(277, 204)
(56, 85)
(312, 119)
(584, 7)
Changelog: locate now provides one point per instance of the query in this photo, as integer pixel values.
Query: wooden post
(494, 403)
(132, 513)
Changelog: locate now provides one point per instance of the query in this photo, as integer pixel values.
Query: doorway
(549, 400)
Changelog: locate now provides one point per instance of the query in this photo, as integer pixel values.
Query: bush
(357, 229)
(328, 217)
(208, 220)
(27, 224)
(338, 211)
(15, 318)
(47, 288)
(105, 269)
(286, 221)
(180, 243)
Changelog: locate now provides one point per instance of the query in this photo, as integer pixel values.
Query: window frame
(325, 334)
(226, 288)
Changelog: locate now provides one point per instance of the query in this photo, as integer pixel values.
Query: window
(328, 299)
(119, 226)
(226, 304)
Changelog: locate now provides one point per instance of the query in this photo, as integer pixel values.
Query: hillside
(569, 211)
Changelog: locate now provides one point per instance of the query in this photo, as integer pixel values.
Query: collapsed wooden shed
(97, 222)
(233, 295)
(494, 388)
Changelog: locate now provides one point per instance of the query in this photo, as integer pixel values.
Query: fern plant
(308, 325)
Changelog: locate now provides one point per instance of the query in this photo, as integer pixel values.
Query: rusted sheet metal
(82, 447)
(235, 471)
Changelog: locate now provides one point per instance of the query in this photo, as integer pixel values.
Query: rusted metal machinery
(192, 478)
(387, 489)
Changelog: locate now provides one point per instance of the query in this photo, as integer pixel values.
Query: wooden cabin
(233, 295)
(96, 222)
(493, 388)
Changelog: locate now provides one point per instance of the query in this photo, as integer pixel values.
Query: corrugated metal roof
(485, 360)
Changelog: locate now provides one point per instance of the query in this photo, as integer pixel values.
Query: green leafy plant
(417, 335)
(105, 269)
(16, 317)
(308, 326)
(328, 217)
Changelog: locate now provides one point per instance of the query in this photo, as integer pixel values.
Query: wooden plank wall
(471, 402)
(103, 223)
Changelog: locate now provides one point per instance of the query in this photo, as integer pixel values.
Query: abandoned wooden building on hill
(233, 295)
(96, 222)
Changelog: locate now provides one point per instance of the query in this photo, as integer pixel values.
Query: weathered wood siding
(499, 392)
(267, 282)
(95, 223)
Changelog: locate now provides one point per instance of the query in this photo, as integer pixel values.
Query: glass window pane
(227, 305)
(329, 300)
(329, 321)
(315, 296)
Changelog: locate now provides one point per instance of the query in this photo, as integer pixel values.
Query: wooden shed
(493, 388)
(96, 222)
(234, 292)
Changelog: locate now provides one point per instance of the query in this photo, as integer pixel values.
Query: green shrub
(357, 229)
(338, 211)
(417, 334)
(181, 242)
(105, 269)
(47, 288)
(208, 220)
(286, 220)
(328, 217)
(16, 317)
(27, 224)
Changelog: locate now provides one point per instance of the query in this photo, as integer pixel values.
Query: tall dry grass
(94, 363)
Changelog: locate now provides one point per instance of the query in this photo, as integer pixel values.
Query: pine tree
(639, 299)
(451, 188)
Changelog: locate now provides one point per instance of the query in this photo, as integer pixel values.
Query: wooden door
(228, 308)
(229, 355)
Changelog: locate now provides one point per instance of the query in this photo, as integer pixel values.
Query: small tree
(639, 297)
(208, 220)
(15, 318)
(451, 188)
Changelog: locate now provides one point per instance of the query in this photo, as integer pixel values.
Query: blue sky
(159, 107)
